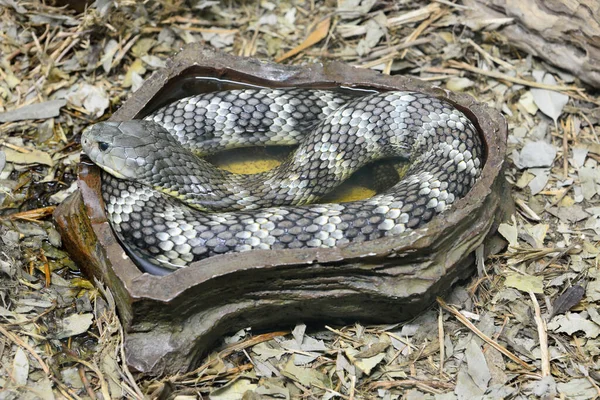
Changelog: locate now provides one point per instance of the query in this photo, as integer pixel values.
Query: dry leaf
(305, 376)
(549, 102)
(573, 322)
(316, 36)
(567, 300)
(510, 233)
(233, 391)
(32, 157)
(525, 283)
(74, 325)
(47, 109)
(20, 368)
(477, 365)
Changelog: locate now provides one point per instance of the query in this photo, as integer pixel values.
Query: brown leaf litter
(527, 325)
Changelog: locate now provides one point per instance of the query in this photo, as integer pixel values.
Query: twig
(32, 320)
(488, 56)
(482, 335)
(422, 26)
(342, 334)
(429, 386)
(33, 214)
(529, 213)
(352, 386)
(47, 272)
(441, 339)
(590, 125)
(519, 81)
(566, 127)
(19, 342)
(449, 3)
(395, 51)
(543, 335)
(395, 48)
(236, 347)
(86, 383)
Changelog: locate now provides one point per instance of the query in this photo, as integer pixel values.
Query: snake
(170, 207)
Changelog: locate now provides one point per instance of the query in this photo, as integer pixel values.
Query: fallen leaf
(20, 368)
(525, 283)
(94, 99)
(549, 102)
(349, 9)
(544, 388)
(590, 179)
(270, 390)
(457, 84)
(567, 300)
(536, 154)
(573, 322)
(41, 390)
(367, 364)
(265, 351)
(465, 387)
(579, 155)
(234, 390)
(537, 184)
(47, 109)
(154, 62)
(477, 365)
(305, 376)
(75, 324)
(136, 67)
(32, 157)
(110, 49)
(219, 40)
(2, 160)
(315, 36)
(375, 31)
(577, 389)
(373, 350)
(526, 100)
(510, 233)
(592, 290)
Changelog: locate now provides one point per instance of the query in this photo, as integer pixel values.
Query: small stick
(590, 125)
(35, 214)
(421, 28)
(488, 56)
(482, 335)
(19, 342)
(441, 339)
(504, 77)
(565, 144)
(86, 383)
(543, 335)
(47, 272)
(352, 386)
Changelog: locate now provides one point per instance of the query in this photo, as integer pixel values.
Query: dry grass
(507, 333)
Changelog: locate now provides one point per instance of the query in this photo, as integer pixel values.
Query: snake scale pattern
(169, 207)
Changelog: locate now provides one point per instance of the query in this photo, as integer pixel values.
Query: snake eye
(103, 146)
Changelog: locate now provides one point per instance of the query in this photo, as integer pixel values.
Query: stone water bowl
(171, 321)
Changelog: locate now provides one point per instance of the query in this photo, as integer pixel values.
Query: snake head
(123, 148)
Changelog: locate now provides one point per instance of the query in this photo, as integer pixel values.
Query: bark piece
(565, 33)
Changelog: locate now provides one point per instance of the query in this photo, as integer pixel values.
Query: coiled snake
(169, 207)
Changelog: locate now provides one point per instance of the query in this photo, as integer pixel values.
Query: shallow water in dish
(258, 159)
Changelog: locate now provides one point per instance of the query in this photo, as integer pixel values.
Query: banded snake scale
(169, 207)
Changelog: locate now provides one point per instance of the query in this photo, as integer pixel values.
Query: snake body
(170, 208)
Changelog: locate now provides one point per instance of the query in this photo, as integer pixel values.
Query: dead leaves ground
(526, 325)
